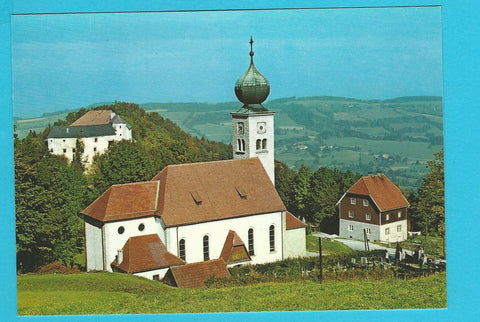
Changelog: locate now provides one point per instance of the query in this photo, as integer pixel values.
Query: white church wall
(217, 232)
(295, 243)
(266, 155)
(150, 274)
(114, 240)
(94, 246)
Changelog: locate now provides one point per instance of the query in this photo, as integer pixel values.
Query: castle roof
(192, 193)
(95, 117)
(381, 190)
(146, 253)
(81, 131)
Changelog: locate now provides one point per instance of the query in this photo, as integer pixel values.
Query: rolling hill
(395, 136)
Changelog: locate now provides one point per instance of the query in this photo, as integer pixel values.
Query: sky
(67, 61)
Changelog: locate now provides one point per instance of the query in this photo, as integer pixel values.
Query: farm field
(85, 293)
(396, 137)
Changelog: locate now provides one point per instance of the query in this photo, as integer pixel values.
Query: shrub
(56, 267)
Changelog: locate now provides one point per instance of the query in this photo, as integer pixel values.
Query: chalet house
(376, 207)
(191, 219)
(96, 129)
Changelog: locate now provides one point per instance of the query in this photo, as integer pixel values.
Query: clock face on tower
(261, 127)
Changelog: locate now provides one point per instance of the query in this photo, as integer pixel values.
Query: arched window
(243, 145)
(206, 255)
(239, 145)
(251, 251)
(272, 238)
(264, 144)
(181, 249)
(259, 144)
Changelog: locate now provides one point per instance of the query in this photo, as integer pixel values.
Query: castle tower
(252, 124)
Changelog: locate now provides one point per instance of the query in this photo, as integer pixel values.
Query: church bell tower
(252, 124)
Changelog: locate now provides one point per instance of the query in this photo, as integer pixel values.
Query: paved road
(357, 245)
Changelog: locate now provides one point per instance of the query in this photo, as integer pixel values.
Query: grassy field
(328, 246)
(114, 293)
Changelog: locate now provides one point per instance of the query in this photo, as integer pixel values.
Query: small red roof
(293, 222)
(196, 274)
(94, 118)
(125, 201)
(233, 241)
(146, 253)
(383, 192)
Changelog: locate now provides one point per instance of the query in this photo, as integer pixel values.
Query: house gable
(234, 250)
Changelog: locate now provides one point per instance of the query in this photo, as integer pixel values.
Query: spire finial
(251, 47)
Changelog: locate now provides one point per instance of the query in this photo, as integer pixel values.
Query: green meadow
(115, 293)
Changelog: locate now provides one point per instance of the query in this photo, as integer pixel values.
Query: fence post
(320, 264)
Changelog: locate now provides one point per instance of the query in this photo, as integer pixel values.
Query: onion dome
(252, 88)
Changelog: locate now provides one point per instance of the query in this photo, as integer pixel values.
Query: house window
(96, 139)
(141, 227)
(64, 150)
(94, 149)
(181, 249)
(353, 201)
(399, 214)
(350, 214)
(156, 277)
(399, 228)
(387, 231)
(350, 227)
(250, 242)
(368, 231)
(272, 238)
(259, 144)
(365, 202)
(206, 255)
(387, 217)
(121, 230)
(51, 150)
(73, 150)
(368, 217)
(264, 144)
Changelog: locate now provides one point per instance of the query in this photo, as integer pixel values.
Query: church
(204, 216)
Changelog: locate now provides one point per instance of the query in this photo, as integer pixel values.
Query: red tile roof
(125, 201)
(234, 244)
(293, 222)
(94, 118)
(384, 193)
(146, 253)
(193, 193)
(207, 191)
(196, 274)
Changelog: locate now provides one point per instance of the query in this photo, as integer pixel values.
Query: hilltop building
(96, 129)
(191, 219)
(376, 207)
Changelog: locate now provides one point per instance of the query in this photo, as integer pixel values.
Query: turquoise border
(461, 52)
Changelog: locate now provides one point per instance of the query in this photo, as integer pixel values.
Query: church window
(240, 128)
(141, 227)
(121, 230)
(264, 144)
(241, 145)
(206, 255)
(251, 251)
(272, 238)
(259, 144)
(181, 249)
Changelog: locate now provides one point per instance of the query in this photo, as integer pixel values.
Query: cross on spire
(251, 47)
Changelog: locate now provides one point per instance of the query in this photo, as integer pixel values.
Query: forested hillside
(50, 192)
